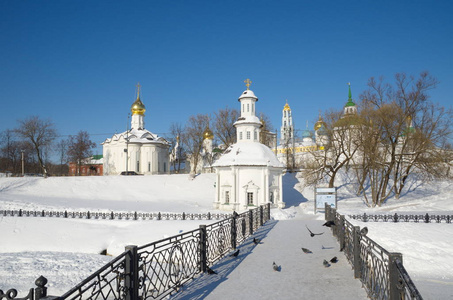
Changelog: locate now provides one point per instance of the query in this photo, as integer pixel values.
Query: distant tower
(138, 112)
(208, 137)
(287, 129)
(321, 135)
(307, 136)
(350, 108)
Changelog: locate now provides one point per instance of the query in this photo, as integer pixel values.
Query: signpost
(325, 195)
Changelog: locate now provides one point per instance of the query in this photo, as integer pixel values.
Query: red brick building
(92, 166)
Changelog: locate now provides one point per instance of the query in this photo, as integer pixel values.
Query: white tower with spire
(287, 129)
(138, 112)
(248, 174)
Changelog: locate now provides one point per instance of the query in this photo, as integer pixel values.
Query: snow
(65, 251)
(248, 154)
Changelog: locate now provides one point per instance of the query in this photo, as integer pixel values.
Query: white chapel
(248, 174)
(136, 149)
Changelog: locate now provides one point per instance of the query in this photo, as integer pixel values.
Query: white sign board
(325, 195)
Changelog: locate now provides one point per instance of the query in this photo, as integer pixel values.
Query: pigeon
(256, 241)
(313, 234)
(334, 260)
(306, 250)
(236, 253)
(364, 231)
(210, 271)
(274, 266)
(326, 264)
(329, 223)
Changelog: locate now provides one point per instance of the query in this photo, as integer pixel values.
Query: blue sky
(77, 62)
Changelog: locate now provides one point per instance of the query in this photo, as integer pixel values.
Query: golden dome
(320, 123)
(286, 107)
(138, 108)
(207, 134)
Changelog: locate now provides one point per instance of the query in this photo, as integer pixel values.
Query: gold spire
(286, 107)
(207, 134)
(138, 108)
(248, 82)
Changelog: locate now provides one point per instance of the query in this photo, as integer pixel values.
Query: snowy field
(65, 251)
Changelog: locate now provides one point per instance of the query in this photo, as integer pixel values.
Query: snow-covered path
(302, 276)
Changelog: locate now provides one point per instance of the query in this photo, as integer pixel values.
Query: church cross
(138, 90)
(248, 82)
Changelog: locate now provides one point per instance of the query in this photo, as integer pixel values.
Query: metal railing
(160, 268)
(381, 272)
(421, 218)
(114, 215)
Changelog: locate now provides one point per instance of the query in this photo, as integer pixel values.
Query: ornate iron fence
(158, 269)
(114, 215)
(426, 218)
(381, 272)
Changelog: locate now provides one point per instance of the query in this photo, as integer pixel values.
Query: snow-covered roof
(248, 119)
(138, 136)
(248, 154)
(248, 94)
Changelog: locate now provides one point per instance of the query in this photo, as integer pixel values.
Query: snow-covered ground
(65, 251)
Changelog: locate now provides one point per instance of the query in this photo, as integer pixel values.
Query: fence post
(356, 251)
(268, 212)
(341, 229)
(131, 272)
(233, 232)
(203, 248)
(261, 215)
(41, 290)
(250, 221)
(394, 291)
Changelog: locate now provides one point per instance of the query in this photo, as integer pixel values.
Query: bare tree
(40, 133)
(267, 137)
(193, 138)
(224, 129)
(80, 148)
(62, 150)
(176, 138)
(408, 134)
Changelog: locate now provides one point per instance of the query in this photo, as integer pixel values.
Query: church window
(255, 135)
(243, 107)
(138, 166)
(284, 123)
(249, 198)
(240, 135)
(248, 107)
(271, 197)
(149, 167)
(253, 107)
(248, 135)
(227, 197)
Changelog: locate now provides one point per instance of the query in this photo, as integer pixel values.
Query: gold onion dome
(138, 108)
(207, 134)
(320, 123)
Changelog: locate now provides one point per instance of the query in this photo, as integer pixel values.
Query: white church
(136, 149)
(248, 174)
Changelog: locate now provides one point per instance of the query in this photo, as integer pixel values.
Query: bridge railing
(382, 272)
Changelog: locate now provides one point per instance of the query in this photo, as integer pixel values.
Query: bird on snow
(236, 253)
(210, 271)
(334, 260)
(326, 264)
(274, 266)
(306, 250)
(311, 233)
(364, 231)
(256, 241)
(329, 223)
